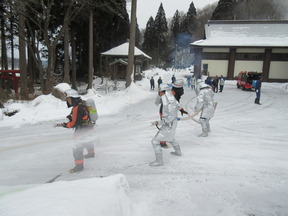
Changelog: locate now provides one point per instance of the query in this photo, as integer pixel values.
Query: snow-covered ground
(241, 169)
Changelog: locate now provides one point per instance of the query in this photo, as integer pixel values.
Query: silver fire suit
(168, 123)
(205, 104)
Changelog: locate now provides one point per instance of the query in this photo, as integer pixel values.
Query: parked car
(246, 79)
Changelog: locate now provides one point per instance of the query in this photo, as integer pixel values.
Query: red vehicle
(246, 79)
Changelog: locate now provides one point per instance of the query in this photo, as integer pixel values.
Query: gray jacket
(168, 123)
(205, 103)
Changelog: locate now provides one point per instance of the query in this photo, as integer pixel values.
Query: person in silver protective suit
(205, 105)
(167, 125)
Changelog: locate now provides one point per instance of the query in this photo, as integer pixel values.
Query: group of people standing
(191, 81)
(152, 82)
(217, 83)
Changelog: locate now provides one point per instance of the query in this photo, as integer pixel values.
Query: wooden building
(234, 46)
(113, 63)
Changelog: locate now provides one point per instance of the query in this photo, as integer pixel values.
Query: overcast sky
(148, 8)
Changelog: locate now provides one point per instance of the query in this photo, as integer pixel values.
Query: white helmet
(72, 93)
(164, 87)
(178, 83)
(201, 84)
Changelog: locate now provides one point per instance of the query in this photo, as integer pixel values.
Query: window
(215, 56)
(249, 56)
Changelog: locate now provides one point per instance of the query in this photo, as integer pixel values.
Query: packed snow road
(240, 169)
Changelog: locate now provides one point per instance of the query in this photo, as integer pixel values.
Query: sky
(240, 169)
(148, 8)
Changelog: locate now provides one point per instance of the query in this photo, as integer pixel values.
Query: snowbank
(95, 196)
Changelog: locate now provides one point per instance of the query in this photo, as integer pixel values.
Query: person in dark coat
(258, 91)
(173, 79)
(208, 81)
(159, 82)
(215, 83)
(152, 83)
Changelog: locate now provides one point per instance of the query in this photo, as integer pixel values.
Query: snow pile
(34, 111)
(94, 196)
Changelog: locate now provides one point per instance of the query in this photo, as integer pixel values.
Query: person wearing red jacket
(80, 121)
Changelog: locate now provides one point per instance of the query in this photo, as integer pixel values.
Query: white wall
(278, 70)
(279, 50)
(247, 66)
(216, 67)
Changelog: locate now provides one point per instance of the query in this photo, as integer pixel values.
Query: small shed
(115, 61)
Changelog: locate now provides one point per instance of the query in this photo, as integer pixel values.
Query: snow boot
(89, 155)
(77, 168)
(204, 134)
(177, 151)
(158, 161)
(257, 101)
(203, 122)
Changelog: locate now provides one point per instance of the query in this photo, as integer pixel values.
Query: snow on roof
(245, 34)
(122, 50)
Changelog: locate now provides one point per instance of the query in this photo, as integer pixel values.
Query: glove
(60, 125)
(183, 112)
(155, 123)
(69, 117)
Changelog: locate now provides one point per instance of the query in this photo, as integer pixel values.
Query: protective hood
(72, 93)
(164, 87)
(201, 84)
(178, 83)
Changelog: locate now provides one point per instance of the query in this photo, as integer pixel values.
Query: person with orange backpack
(79, 120)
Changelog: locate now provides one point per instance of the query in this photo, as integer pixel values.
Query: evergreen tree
(149, 36)
(161, 29)
(175, 24)
(224, 10)
(189, 23)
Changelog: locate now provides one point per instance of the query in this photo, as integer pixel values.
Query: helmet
(164, 87)
(199, 81)
(201, 84)
(178, 83)
(72, 93)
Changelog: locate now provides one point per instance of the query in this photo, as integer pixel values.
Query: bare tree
(4, 59)
(258, 9)
(90, 68)
(203, 16)
(130, 66)
(66, 57)
(22, 56)
(73, 58)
